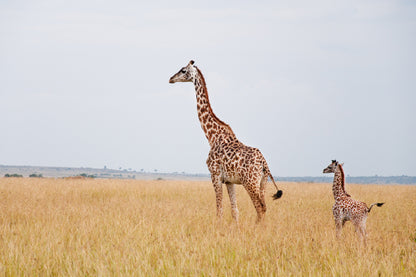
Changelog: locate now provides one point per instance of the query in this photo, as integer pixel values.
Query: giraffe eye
(183, 71)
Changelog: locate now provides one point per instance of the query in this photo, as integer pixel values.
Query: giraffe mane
(343, 179)
(209, 104)
(342, 172)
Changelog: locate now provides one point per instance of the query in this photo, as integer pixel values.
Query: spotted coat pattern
(345, 208)
(229, 161)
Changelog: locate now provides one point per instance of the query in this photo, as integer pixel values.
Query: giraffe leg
(233, 201)
(363, 234)
(260, 206)
(218, 194)
(263, 193)
(339, 223)
(360, 230)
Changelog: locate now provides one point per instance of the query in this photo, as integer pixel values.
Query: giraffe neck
(339, 181)
(216, 131)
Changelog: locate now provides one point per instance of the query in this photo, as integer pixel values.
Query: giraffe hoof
(278, 194)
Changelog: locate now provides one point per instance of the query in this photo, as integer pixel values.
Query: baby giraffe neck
(339, 181)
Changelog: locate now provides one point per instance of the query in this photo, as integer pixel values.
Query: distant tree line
(12, 175)
(87, 175)
(34, 175)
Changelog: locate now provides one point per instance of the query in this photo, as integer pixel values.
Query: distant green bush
(87, 176)
(12, 175)
(34, 175)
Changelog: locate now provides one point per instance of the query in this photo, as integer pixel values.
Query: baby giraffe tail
(378, 205)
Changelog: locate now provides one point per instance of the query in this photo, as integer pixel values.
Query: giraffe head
(332, 167)
(186, 74)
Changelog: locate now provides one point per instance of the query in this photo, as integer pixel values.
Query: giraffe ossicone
(345, 208)
(229, 161)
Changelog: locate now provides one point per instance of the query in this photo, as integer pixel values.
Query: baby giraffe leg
(361, 232)
(339, 223)
(339, 220)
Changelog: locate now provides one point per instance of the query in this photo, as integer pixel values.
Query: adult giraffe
(229, 161)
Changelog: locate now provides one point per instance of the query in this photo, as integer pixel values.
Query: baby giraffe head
(186, 74)
(332, 167)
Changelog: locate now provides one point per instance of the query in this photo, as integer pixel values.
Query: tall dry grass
(144, 228)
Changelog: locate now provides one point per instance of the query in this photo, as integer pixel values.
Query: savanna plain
(101, 227)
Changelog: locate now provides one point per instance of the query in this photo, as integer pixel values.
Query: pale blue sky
(85, 83)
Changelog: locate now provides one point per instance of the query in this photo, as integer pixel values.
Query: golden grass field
(98, 227)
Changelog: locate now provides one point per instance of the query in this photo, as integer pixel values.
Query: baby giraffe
(346, 208)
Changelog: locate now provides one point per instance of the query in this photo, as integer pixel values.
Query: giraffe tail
(378, 205)
(267, 172)
(279, 192)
